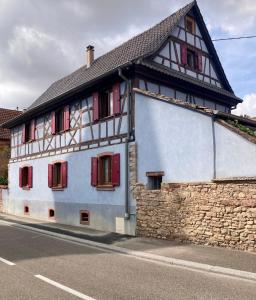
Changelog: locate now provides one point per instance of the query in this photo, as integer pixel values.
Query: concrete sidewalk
(213, 256)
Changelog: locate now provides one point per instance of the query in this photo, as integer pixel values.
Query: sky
(42, 41)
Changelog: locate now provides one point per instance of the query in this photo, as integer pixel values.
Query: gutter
(127, 140)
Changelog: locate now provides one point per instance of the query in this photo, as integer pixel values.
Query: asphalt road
(37, 266)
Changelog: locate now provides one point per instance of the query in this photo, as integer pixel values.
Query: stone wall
(218, 214)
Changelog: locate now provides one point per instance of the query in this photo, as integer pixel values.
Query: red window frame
(60, 120)
(105, 165)
(28, 132)
(58, 175)
(26, 177)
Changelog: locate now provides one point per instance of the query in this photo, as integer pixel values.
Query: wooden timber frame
(107, 131)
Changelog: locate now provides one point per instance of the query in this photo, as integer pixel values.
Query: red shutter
(95, 107)
(183, 54)
(53, 123)
(64, 174)
(116, 169)
(94, 171)
(30, 177)
(50, 176)
(20, 177)
(199, 61)
(32, 130)
(23, 136)
(66, 118)
(116, 98)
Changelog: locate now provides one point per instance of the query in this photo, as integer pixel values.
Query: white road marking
(9, 263)
(64, 288)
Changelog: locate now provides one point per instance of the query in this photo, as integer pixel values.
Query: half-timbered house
(153, 109)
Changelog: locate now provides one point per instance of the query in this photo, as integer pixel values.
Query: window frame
(58, 182)
(153, 176)
(190, 20)
(193, 54)
(84, 222)
(110, 103)
(26, 177)
(101, 170)
(60, 112)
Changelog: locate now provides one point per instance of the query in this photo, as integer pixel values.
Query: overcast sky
(44, 40)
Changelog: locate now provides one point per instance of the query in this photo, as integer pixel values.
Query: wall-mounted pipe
(127, 140)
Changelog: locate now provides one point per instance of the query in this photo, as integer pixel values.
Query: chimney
(90, 55)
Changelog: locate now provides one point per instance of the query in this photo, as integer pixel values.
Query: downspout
(214, 146)
(127, 140)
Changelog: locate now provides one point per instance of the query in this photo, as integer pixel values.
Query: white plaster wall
(172, 139)
(235, 156)
(79, 179)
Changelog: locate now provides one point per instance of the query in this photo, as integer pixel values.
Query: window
(105, 170)
(154, 180)
(60, 120)
(106, 102)
(84, 217)
(57, 175)
(26, 210)
(51, 213)
(190, 25)
(105, 174)
(28, 132)
(25, 177)
(191, 57)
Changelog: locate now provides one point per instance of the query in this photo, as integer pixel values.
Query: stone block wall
(218, 214)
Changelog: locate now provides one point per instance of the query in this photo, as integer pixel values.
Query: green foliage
(242, 127)
(3, 180)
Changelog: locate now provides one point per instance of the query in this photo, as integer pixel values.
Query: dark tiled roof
(140, 45)
(6, 115)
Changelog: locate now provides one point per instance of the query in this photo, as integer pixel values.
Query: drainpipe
(214, 146)
(127, 140)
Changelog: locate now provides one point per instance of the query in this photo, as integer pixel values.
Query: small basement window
(51, 213)
(84, 217)
(154, 180)
(26, 210)
(190, 25)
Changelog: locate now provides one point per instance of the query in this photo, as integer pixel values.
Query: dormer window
(190, 25)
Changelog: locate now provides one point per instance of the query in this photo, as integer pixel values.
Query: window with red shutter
(95, 106)
(30, 177)
(32, 130)
(23, 135)
(26, 177)
(183, 53)
(116, 98)
(66, 118)
(116, 169)
(53, 125)
(50, 176)
(199, 61)
(64, 174)
(94, 171)
(20, 177)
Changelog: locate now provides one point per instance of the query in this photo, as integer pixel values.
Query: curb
(143, 255)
